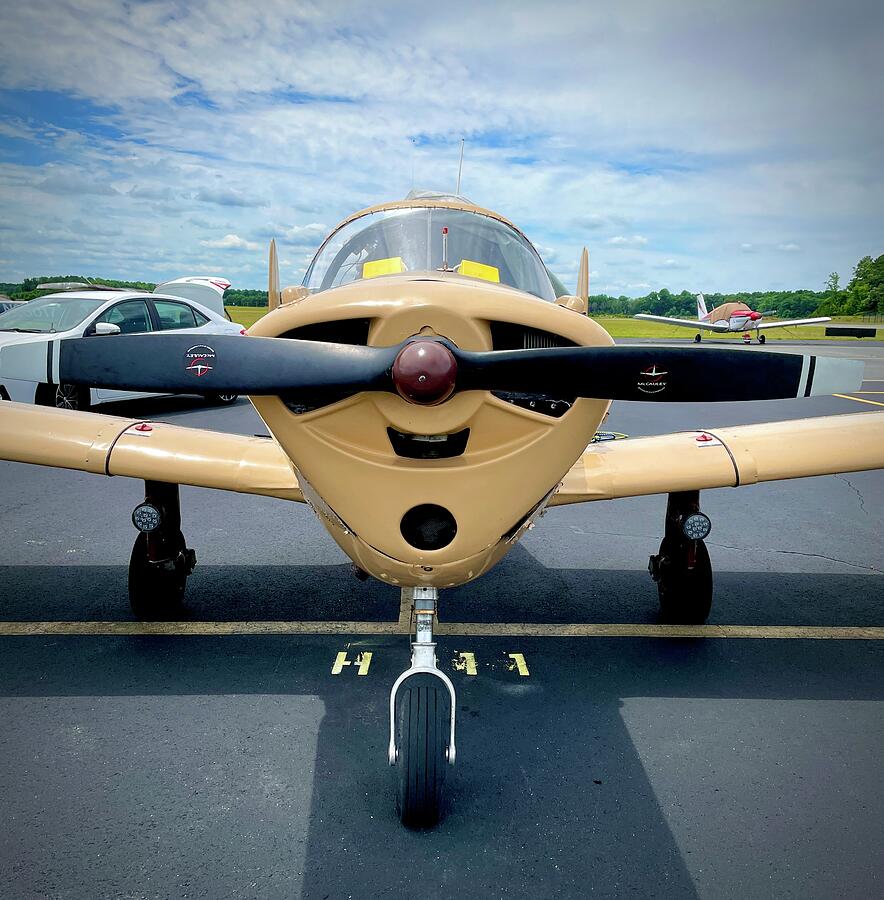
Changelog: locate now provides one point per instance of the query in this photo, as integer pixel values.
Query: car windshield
(48, 314)
(409, 240)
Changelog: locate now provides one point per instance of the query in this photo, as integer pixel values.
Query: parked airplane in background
(730, 317)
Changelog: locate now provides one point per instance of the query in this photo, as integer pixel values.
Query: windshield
(409, 240)
(49, 314)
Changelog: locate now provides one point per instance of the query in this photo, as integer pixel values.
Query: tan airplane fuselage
(735, 315)
(514, 457)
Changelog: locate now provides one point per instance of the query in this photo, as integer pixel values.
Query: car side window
(131, 316)
(200, 318)
(174, 315)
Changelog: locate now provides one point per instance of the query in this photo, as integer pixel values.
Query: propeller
(429, 370)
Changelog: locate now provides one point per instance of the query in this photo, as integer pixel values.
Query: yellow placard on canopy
(389, 266)
(479, 270)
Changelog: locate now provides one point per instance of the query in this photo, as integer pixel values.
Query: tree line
(864, 295)
(27, 289)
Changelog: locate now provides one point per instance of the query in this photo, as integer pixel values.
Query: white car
(98, 314)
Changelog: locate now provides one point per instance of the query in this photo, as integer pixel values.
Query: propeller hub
(425, 372)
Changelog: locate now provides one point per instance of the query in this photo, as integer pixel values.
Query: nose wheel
(422, 709)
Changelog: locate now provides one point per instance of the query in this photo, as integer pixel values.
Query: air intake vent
(344, 331)
(506, 336)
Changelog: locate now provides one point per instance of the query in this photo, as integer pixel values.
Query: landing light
(696, 526)
(146, 517)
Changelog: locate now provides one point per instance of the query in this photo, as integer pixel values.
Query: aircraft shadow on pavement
(519, 589)
(550, 792)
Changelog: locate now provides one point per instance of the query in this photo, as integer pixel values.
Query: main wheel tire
(63, 396)
(423, 729)
(698, 338)
(222, 399)
(685, 594)
(762, 338)
(155, 594)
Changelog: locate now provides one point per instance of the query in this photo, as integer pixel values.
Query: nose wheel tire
(762, 338)
(423, 722)
(684, 583)
(156, 589)
(698, 338)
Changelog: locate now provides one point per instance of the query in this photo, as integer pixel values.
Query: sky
(707, 146)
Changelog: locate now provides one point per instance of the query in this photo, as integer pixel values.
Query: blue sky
(690, 145)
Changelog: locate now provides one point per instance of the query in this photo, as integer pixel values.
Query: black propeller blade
(666, 374)
(425, 372)
(187, 363)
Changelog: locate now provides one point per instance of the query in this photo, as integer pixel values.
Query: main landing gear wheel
(682, 568)
(684, 584)
(762, 338)
(422, 708)
(156, 589)
(698, 338)
(160, 562)
(423, 722)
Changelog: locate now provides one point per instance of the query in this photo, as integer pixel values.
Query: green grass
(637, 328)
(246, 315)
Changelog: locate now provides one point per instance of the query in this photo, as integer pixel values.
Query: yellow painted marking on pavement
(363, 661)
(454, 629)
(465, 662)
(519, 663)
(340, 661)
(868, 392)
(858, 399)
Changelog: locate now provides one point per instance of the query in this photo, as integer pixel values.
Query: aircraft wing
(153, 451)
(725, 457)
(684, 323)
(789, 322)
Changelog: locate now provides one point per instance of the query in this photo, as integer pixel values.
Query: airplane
(429, 396)
(729, 317)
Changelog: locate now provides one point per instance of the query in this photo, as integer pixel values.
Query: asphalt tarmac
(240, 766)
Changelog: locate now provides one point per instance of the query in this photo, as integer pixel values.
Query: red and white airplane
(730, 317)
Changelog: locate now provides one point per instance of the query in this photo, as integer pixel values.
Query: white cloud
(632, 240)
(788, 248)
(230, 242)
(641, 143)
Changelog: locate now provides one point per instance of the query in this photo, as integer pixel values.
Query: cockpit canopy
(410, 239)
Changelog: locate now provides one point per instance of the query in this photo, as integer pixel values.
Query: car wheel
(222, 399)
(63, 396)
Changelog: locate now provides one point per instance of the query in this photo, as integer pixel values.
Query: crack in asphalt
(856, 490)
(834, 559)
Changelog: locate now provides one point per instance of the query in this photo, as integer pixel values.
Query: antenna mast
(459, 168)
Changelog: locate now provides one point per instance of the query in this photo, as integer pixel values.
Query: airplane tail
(702, 312)
(273, 294)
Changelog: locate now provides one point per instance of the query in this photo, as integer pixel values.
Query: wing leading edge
(788, 323)
(683, 323)
(153, 451)
(725, 457)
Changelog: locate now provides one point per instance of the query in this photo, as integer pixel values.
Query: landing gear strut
(161, 561)
(682, 568)
(422, 708)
